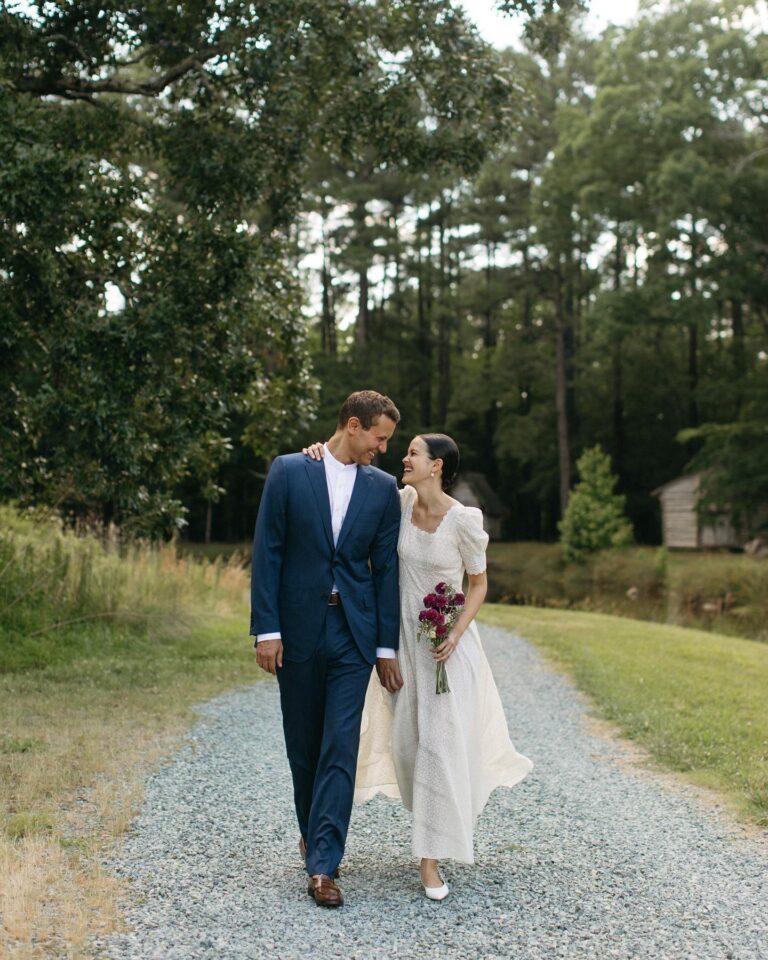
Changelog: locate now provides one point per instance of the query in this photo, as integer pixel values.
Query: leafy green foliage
(549, 21)
(595, 518)
(734, 460)
(154, 161)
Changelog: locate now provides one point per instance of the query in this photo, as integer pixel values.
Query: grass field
(696, 701)
(101, 658)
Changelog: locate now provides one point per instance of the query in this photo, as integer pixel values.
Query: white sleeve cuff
(386, 653)
(268, 636)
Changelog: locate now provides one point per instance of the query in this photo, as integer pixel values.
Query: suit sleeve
(267, 556)
(385, 572)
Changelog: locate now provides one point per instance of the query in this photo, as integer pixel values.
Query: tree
(601, 279)
(595, 518)
(734, 458)
(154, 163)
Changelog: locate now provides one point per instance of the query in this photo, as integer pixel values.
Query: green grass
(697, 701)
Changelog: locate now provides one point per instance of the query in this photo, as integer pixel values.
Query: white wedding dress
(442, 754)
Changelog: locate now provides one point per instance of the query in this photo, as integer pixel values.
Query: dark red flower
(441, 588)
(459, 599)
(442, 630)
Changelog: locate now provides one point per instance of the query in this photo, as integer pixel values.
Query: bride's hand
(315, 451)
(446, 648)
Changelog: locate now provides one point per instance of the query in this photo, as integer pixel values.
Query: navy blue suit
(328, 651)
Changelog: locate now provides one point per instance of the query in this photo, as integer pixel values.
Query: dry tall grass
(103, 651)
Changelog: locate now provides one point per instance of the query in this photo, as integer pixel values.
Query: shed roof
(686, 478)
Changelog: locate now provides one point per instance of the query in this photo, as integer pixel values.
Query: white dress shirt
(340, 478)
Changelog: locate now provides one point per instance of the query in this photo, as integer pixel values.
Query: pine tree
(595, 517)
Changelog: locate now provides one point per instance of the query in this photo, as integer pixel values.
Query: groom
(324, 607)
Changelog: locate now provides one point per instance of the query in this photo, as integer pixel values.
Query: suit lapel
(360, 493)
(316, 473)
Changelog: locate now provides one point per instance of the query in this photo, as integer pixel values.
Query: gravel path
(588, 857)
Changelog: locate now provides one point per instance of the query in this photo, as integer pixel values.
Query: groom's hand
(269, 655)
(388, 670)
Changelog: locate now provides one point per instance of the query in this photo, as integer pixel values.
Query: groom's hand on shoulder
(388, 670)
(269, 655)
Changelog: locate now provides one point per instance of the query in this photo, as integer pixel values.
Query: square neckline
(428, 533)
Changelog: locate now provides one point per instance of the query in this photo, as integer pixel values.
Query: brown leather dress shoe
(325, 891)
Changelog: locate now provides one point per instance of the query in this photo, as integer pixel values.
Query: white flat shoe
(437, 893)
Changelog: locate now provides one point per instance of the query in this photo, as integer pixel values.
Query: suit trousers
(322, 703)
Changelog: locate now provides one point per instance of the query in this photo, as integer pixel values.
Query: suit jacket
(295, 563)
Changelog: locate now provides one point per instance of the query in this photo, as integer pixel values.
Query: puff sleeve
(472, 539)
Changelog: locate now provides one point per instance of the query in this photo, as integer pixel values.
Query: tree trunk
(617, 393)
(739, 354)
(208, 521)
(693, 335)
(569, 345)
(489, 333)
(526, 387)
(328, 320)
(443, 327)
(617, 374)
(491, 417)
(423, 337)
(693, 374)
(363, 315)
(561, 400)
(362, 331)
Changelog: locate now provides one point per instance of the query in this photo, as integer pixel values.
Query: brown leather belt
(334, 600)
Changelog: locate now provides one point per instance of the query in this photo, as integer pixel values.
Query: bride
(442, 754)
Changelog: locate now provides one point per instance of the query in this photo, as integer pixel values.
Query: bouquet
(441, 610)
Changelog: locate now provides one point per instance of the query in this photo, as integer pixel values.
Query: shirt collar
(335, 464)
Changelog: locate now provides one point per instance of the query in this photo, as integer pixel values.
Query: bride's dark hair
(441, 446)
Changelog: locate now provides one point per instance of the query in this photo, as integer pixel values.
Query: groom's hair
(367, 406)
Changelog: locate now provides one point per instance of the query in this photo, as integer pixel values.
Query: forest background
(219, 220)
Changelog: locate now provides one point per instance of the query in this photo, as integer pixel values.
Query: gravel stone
(589, 857)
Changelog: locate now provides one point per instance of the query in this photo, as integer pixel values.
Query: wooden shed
(473, 490)
(684, 527)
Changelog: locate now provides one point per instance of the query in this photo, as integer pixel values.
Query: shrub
(595, 517)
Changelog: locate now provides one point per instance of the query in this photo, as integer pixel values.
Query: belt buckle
(334, 600)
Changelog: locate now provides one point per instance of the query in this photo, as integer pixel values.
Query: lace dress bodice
(456, 546)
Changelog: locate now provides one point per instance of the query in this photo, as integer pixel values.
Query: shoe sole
(328, 906)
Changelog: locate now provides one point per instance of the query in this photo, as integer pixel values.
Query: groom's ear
(353, 424)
